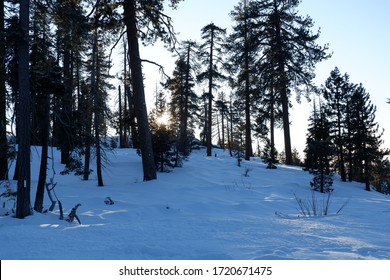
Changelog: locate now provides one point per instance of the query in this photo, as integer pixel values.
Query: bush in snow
(312, 207)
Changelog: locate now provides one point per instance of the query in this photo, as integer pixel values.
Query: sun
(163, 119)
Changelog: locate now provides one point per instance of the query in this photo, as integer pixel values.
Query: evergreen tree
(145, 20)
(211, 55)
(45, 81)
(103, 22)
(222, 108)
(296, 158)
(364, 136)
(183, 106)
(244, 48)
(71, 22)
(336, 92)
(164, 140)
(290, 50)
(319, 151)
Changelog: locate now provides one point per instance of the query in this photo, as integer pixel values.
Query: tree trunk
(96, 104)
(66, 107)
(23, 204)
(248, 138)
(340, 146)
(283, 83)
(223, 128)
(87, 115)
(120, 117)
(97, 115)
(210, 104)
(272, 127)
(149, 167)
(3, 120)
(38, 204)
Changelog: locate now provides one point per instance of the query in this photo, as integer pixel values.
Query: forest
(55, 86)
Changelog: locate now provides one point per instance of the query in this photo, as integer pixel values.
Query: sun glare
(163, 119)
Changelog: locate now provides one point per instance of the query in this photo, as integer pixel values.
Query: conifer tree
(183, 106)
(211, 55)
(244, 49)
(45, 81)
(146, 21)
(289, 48)
(71, 23)
(222, 108)
(319, 151)
(364, 136)
(336, 92)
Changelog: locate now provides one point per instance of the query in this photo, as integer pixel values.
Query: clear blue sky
(357, 32)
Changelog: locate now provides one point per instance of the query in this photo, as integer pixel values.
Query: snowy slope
(206, 210)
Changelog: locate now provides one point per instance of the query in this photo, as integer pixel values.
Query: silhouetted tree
(319, 151)
(23, 205)
(145, 20)
(337, 91)
(364, 136)
(211, 55)
(290, 50)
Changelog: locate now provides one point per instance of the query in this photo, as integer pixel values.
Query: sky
(355, 30)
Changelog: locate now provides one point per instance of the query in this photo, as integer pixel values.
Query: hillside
(206, 210)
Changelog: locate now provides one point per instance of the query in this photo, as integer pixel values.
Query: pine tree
(103, 25)
(336, 92)
(71, 23)
(222, 108)
(364, 136)
(45, 81)
(319, 151)
(211, 55)
(290, 50)
(244, 48)
(145, 20)
(183, 106)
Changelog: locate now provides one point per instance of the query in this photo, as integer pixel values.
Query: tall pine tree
(364, 136)
(336, 92)
(145, 20)
(290, 47)
(211, 55)
(319, 151)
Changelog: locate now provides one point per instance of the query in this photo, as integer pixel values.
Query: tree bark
(283, 83)
(97, 110)
(248, 137)
(38, 204)
(210, 95)
(149, 167)
(23, 204)
(65, 125)
(3, 120)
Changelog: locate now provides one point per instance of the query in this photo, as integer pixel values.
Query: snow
(206, 210)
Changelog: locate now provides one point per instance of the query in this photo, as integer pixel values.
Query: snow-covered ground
(206, 210)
